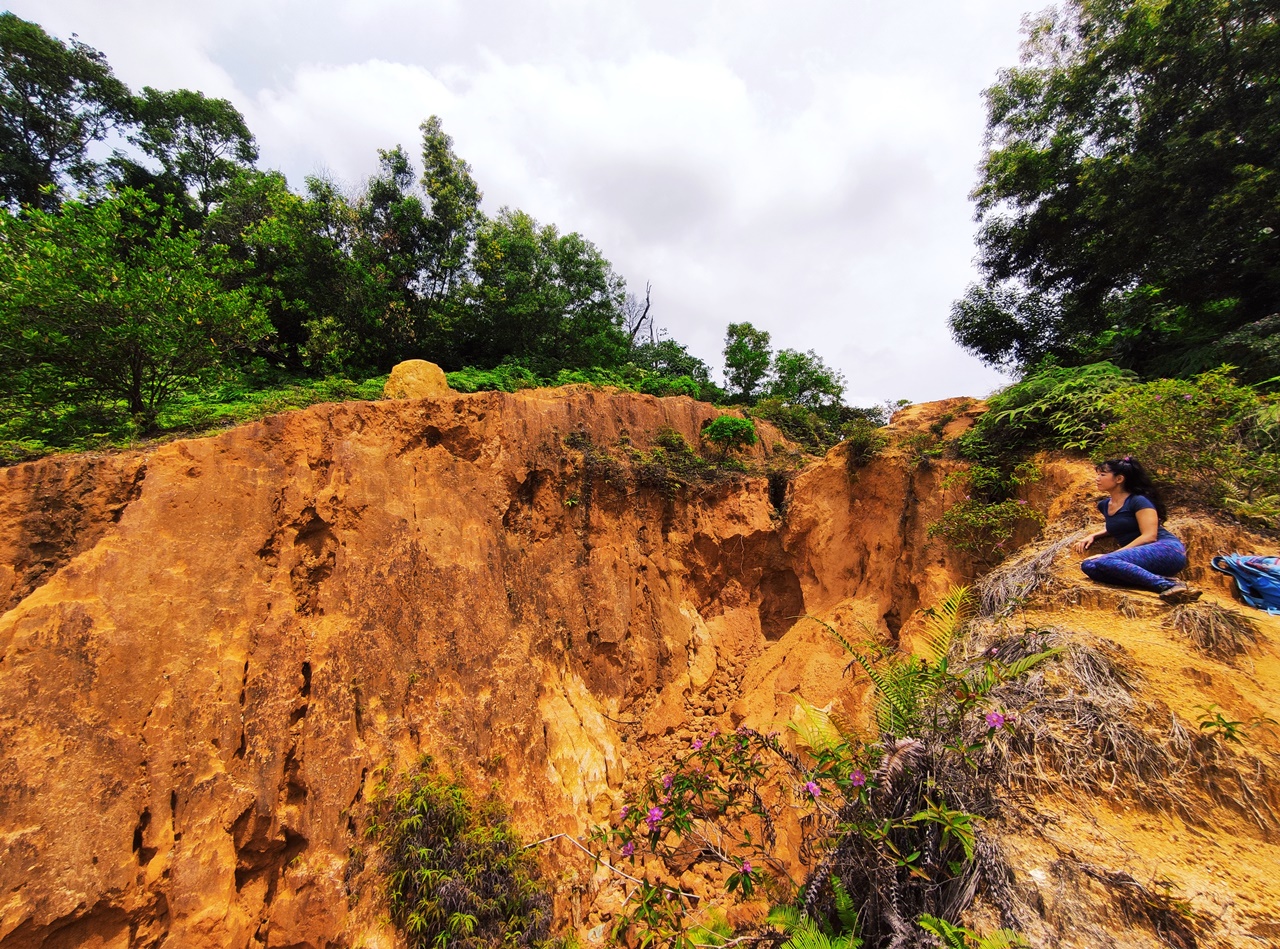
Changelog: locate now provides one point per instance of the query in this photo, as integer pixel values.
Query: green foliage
(953, 936)
(508, 377)
(894, 825)
(802, 379)
(28, 432)
(1215, 723)
(56, 99)
(201, 143)
(747, 356)
(984, 520)
(1211, 436)
(107, 301)
(730, 433)
(456, 874)
(1127, 198)
(865, 439)
(1052, 407)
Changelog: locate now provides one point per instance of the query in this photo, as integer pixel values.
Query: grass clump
(456, 873)
(1216, 630)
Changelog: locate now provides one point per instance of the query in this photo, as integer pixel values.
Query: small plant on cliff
(986, 517)
(730, 433)
(456, 874)
(893, 825)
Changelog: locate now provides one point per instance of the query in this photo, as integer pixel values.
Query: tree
(546, 300)
(55, 99)
(1128, 195)
(804, 379)
(111, 300)
(455, 212)
(670, 358)
(746, 358)
(201, 142)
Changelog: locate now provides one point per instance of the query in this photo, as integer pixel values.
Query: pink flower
(697, 744)
(628, 848)
(1021, 502)
(813, 789)
(857, 778)
(995, 720)
(626, 809)
(746, 866)
(666, 781)
(654, 818)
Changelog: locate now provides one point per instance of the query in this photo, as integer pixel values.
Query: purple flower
(666, 782)
(1157, 398)
(995, 720)
(1186, 398)
(1021, 502)
(654, 818)
(714, 732)
(857, 778)
(628, 848)
(626, 809)
(746, 866)
(697, 744)
(813, 789)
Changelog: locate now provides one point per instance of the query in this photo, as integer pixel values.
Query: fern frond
(947, 620)
(900, 754)
(846, 908)
(898, 705)
(785, 916)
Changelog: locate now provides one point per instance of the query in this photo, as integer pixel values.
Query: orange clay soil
(211, 650)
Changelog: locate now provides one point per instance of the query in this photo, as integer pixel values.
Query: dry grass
(1012, 583)
(1215, 630)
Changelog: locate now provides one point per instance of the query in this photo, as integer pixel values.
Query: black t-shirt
(1123, 524)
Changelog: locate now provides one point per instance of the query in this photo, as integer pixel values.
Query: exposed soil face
(209, 650)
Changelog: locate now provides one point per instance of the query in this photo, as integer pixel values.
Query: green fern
(959, 937)
(947, 620)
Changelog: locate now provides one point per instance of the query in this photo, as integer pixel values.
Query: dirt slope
(209, 650)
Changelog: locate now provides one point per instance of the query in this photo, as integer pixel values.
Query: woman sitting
(1149, 555)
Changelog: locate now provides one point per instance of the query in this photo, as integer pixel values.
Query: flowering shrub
(892, 825)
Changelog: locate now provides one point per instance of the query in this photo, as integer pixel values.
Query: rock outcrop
(212, 649)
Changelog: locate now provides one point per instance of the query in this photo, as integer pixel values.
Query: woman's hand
(1085, 544)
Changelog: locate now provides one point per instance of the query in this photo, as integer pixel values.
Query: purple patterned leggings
(1148, 567)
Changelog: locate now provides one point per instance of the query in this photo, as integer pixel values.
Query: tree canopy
(1129, 194)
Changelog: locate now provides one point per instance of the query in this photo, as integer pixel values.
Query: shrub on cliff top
(457, 875)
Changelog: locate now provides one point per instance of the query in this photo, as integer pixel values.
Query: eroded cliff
(210, 648)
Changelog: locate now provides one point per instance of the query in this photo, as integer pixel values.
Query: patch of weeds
(864, 439)
(1217, 725)
(984, 520)
(456, 873)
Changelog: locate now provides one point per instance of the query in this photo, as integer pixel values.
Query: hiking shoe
(1180, 593)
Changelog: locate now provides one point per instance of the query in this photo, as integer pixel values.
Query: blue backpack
(1257, 577)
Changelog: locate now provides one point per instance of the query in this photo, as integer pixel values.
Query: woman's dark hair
(1136, 480)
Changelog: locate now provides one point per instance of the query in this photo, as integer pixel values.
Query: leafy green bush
(667, 385)
(984, 520)
(730, 433)
(864, 439)
(505, 378)
(457, 875)
(1209, 435)
(1053, 407)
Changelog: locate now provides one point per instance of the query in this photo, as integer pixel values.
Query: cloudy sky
(804, 165)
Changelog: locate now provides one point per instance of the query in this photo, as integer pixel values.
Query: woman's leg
(1148, 567)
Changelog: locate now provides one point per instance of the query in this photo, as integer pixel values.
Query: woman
(1149, 555)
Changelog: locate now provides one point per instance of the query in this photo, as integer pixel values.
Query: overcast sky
(804, 166)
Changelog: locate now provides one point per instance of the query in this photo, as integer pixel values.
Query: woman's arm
(1149, 524)
(1085, 544)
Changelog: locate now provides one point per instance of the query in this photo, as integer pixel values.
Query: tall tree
(199, 141)
(747, 356)
(55, 99)
(454, 201)
(804, 379)
(1128, 199)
